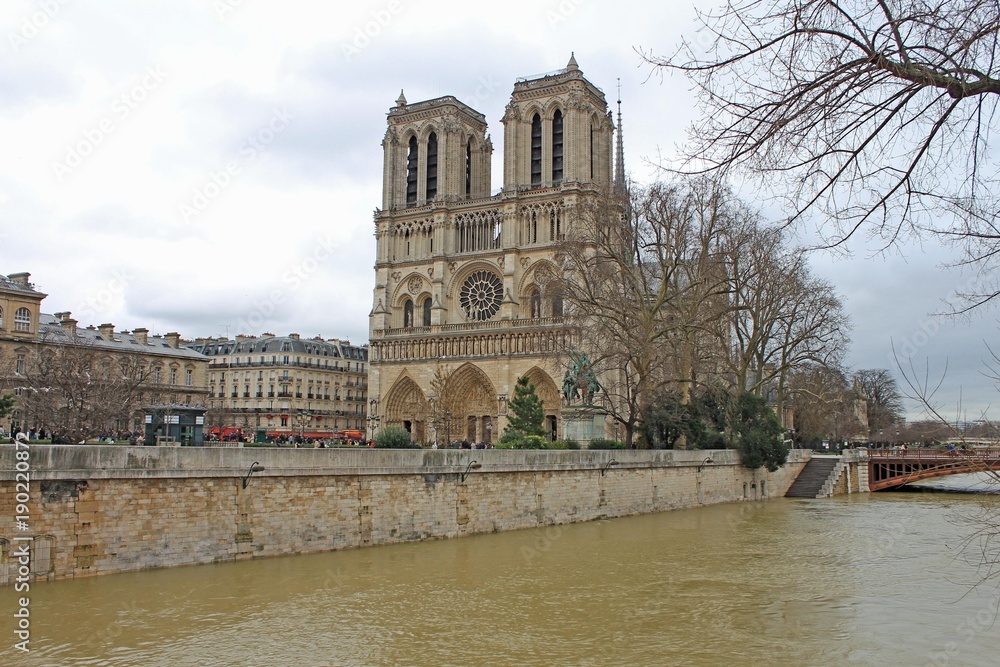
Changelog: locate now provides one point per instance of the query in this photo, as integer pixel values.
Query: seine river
(858, 580)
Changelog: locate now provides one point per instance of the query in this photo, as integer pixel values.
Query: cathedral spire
(619, 183)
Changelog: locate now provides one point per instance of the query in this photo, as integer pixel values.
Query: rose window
(481, 295)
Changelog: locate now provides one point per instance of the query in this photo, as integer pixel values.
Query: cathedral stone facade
(465, 299)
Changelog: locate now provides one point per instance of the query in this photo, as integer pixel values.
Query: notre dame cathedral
(466, 300)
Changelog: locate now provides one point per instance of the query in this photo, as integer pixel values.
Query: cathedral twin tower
(466, 298)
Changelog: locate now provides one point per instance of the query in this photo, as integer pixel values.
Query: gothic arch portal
(468, 405)
(406, 406)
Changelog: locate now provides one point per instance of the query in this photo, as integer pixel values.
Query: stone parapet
(96, 510)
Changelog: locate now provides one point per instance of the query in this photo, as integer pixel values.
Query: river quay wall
(102, 509)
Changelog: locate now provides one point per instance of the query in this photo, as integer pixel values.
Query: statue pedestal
(583, 424)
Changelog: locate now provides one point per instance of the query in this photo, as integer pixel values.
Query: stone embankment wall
(95, 510)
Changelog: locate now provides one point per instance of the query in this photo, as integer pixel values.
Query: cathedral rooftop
(402, 108)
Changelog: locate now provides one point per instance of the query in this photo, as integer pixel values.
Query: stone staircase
(813, 477)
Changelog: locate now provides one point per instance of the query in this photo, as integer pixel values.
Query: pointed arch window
(432, 166)
(557, 304)
(411, 172)
(427, 312)
(557, 147)
(591, 152)
(536, 150)
(468, 168)
(407, 314)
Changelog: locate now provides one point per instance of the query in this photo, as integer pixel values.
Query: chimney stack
(68, 324)
(141, 335)
(107, 331)
(173, 339)
(20, 279)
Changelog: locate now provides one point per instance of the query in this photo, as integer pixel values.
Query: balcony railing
(468, 327)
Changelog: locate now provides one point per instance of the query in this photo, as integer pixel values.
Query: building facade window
(22, 320)
(427, 312)
(189, 378)
(21, 364)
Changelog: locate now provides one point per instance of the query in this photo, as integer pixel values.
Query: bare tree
(876, 114)
(779, 317)
(80, 390)
(636, 280)
(446, 408)
(826, 405)
(885, 403)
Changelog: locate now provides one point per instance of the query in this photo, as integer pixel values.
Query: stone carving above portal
(544, 275)
(396, 275)
(414, 284)
(525, 261)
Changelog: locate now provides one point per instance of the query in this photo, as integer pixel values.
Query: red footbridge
(892, 468)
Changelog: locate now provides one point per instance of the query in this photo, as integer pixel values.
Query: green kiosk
(175, 425)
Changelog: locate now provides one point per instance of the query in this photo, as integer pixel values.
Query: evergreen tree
(759, 432)
(526, 410)
(6, 404)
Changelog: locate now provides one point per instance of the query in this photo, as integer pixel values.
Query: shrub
(394, 437)
(565, 444)
(604, 443)
(534, 442)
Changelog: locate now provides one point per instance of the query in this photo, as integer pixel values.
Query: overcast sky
(211, 166)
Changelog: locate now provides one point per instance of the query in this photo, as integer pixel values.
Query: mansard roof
(268, 344)
(51, 331)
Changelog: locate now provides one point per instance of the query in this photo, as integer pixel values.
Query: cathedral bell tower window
(468, 168)
(557, 147)
(411, 172)
(536, 150)
(432, 166)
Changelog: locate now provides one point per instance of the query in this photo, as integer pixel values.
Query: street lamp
(473, 465)
(304, 416)
(373, 423)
